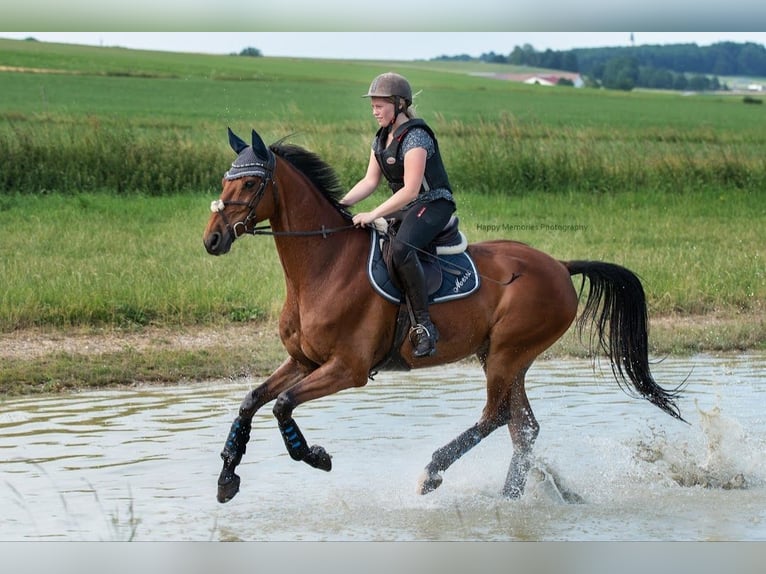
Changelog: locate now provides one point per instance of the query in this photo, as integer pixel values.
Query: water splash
(722, 458)
(547, 486)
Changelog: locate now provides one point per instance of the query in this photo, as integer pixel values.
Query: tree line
(673, 66)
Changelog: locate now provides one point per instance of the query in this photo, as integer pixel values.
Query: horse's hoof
(429, 482)
(319, 458)
(228, 487)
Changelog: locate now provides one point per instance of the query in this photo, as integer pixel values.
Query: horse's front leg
(330, 378)
(285, 376)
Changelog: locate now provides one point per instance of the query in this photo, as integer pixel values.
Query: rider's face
(382, 110)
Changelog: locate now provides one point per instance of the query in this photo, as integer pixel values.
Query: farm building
(547, 79)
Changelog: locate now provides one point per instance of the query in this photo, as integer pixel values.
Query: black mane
(324, 177)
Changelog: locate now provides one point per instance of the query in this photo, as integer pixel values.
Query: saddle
(448, 267)
(450, 274)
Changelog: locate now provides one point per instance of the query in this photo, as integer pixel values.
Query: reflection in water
(142, 463)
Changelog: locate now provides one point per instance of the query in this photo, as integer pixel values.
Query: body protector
(392, 166)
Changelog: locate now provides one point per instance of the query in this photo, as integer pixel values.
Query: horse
(337, 329)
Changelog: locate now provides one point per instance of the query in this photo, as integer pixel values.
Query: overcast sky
(378, 45)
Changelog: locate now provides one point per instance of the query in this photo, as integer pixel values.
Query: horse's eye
(249, 184)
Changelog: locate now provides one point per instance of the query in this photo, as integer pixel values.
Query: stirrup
(422, 340)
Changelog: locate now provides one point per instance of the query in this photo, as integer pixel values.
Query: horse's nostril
(212, 242)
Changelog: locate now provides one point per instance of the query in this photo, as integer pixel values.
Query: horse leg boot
(423, 334)
(233, 450)
(295, 443)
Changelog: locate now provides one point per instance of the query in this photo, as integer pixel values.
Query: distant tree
(551, 60)
(569, 62)
(655, 78)
(621, 74)
(457, 58)
(517, 57)
(493, 58)
(752, 60)
(251, 52)
(680, 82)
(720, 59)
(699, 83)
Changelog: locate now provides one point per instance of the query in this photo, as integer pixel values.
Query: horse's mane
(319, 172)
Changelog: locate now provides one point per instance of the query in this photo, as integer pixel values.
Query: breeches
(421, 223)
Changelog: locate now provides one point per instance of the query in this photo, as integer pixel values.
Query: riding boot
(423, 334)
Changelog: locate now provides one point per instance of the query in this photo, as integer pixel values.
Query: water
(142, 463)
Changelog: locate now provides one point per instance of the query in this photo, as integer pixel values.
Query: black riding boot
(423, 334)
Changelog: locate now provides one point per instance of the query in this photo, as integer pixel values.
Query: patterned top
(415, 138)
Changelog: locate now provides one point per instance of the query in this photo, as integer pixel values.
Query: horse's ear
(259, 147)
(235, 142)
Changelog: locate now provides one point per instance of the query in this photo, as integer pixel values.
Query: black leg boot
(423, 334)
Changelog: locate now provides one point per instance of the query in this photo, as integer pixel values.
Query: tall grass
(101, 259)
(131, 121)
(498, 156)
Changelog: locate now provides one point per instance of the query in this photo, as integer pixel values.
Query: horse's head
(241, 204)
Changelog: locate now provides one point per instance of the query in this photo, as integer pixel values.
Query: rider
(406, 153)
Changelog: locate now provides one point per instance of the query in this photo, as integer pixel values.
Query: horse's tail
(616, 306)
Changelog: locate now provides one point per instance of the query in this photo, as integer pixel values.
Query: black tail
(617, 307)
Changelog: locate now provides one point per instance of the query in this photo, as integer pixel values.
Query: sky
(378, 45)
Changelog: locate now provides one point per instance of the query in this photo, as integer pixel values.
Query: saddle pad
(459, 275)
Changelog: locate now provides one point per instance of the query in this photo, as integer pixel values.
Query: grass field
(109, 159)
(155, 123)
(101, 259)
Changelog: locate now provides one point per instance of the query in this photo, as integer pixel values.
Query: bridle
(264, 170)
(219, 205)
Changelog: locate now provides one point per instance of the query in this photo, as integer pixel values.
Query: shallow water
(142, 464)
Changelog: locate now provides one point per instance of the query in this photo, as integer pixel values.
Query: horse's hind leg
(524, 429)
(444, 457)
(506, 404)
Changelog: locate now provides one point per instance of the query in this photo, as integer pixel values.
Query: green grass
(101, 259)
(697, 253)
(107, 169)
(149, 122)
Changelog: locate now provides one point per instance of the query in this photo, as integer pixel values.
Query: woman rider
(406, 153)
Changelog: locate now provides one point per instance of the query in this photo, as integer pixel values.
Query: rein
(324, 231)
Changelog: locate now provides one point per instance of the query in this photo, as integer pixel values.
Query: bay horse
(336, 328)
